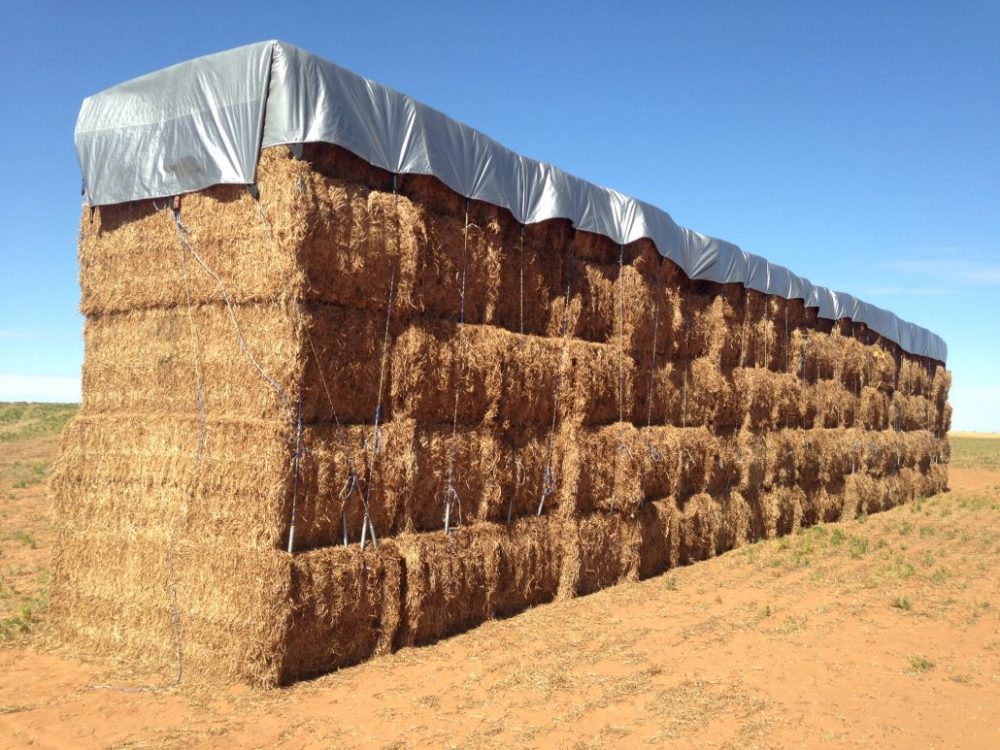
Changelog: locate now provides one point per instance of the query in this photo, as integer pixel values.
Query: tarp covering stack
(345, 408)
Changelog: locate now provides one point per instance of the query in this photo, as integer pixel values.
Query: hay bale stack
(335, 361)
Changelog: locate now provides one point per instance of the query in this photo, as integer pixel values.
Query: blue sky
(857, 143)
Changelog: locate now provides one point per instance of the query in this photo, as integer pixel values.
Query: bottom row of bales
(281, 617)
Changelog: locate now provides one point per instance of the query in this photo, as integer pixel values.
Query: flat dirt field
(882, 631)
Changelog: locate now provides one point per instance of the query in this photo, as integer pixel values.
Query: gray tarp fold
(203, 123)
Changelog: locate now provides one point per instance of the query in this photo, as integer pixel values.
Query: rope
(175, 617)
(322, 377)
(521, 283)
(650, 449)
(895, 394)
(652, 365)
(517, 480)
(200, 397)
(351, 483)
(295, 478)
(181, 234)
(619, 444)
(687, 366)
(517, 476)
(787, 352)
(767, 335)
(450, 493)
(785, 409)
(549, 476)
(621, 333)
(763, 457)
(366, 522)
(746, 322)
(802, 354)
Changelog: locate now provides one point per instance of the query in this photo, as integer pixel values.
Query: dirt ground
(881, 631)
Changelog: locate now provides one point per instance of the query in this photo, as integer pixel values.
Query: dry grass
(29, 436)
(23, 421)
(974, 450)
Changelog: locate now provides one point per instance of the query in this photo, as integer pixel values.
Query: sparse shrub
(920, 664)
(858, 546)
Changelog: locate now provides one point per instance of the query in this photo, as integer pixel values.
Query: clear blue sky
(857, 143)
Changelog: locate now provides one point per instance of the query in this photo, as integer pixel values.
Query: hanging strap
(549, 481)
(451, 496)
(376, 440)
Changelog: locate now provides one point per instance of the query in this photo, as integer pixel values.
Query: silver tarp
(204, 122)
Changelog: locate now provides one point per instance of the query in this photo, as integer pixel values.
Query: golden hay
(700, 523)
(599, 551)
(236, 368)
(131, 259)
(345, 606)
(501, 377)
(659, 530)
(229, 632)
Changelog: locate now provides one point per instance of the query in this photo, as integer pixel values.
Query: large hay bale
(491, 375)
(599, 550)
(124, 475)
(131, 259)
(659, 530)
(116, 594)
(446, 582)
(525, 565)
(699, 528)
(345, 606)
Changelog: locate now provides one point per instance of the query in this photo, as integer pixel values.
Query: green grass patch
(21, 612)
(975, 453)
(22, 421)
(21, 622)
(21, 475)
(858, 546)
(24, 537)
(941, 575)
(977, 503)
(920, 664)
